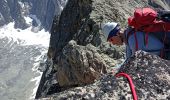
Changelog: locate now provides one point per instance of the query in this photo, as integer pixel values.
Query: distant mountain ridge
(16, 10)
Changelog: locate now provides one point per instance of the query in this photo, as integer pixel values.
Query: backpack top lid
(142, 17)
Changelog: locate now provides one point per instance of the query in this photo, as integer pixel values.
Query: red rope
(132, 87)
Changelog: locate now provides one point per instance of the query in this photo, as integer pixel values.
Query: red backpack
(147, 21)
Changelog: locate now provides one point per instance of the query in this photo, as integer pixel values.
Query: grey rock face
(82, 25)
(70, 24)
(150, 76)
(79, 65)
(5, 13)
(45, 10)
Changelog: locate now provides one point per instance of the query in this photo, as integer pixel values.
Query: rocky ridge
(150, 75)
(77, 47)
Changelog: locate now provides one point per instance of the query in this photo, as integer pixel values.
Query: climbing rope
(132, 87)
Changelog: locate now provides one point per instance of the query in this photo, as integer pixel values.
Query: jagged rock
(150, 74)
(79, 65)
(5, 13)
(45, 10)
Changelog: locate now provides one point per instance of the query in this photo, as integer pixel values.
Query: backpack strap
(136, 41)
(130, 32)
(146, 39)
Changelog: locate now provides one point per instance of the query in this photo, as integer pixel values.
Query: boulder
(79, 65)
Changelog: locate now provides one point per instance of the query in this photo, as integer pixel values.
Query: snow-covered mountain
(16, 10)
(21, 52)
(24, 40)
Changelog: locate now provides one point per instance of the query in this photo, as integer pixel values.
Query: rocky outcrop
(4, 12)
(150, 76)
(45, 10)
(11, 10)
(79, 65)
(72, 60)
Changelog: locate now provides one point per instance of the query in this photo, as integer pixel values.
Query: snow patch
(21, 4)
(37, 80)
(28, 20)
(25, 37)
(35, 69)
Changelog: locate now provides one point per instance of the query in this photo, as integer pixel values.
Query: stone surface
(150, 75)
(79, 65)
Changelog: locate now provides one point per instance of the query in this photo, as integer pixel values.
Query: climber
(117, 36)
